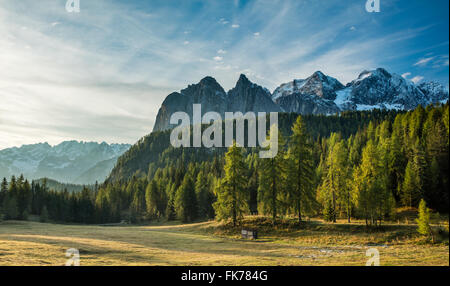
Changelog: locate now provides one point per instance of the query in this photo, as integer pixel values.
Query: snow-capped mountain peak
(64, 162)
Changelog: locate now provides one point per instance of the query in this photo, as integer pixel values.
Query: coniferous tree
(3, 193)
(300, 171)
(232, 198)
(44, 214)
(411, 186)
(370, 195)
(335, 186)
(423, 221)
(185, 201)
(10, 207)
(272, 172)
(205, 197)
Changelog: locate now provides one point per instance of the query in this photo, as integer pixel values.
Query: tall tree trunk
(348, 207)
(274, 198)
(234, 206)
(299, 190)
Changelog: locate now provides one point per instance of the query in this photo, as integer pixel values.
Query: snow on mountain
(317, 94)
(65, 162)
(317, 84)
(374, 89)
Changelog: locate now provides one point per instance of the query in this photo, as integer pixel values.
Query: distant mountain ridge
(317, 94)
(245, 96)
(68, 162)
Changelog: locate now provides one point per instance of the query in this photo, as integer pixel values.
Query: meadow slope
(211, 243)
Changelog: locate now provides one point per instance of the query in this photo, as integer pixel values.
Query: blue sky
(101, 74)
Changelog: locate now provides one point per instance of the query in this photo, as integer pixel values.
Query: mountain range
(317, 94)
(68, 162)
(85, 163)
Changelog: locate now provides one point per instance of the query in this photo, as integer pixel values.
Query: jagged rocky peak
(435, 91)
(321, 85)
(317, 84)
(381, 89)
(247, 96)
(312, 95)
(242, 80)
(208, 86)
(65, 162)
(317, 94)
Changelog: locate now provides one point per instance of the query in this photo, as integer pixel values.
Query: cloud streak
(102, 74)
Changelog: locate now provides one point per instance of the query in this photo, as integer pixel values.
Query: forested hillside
(356, 165)
(154, 150)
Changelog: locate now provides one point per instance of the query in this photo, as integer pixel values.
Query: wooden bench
(249, 234)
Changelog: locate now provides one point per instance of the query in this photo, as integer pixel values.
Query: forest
(359, 165)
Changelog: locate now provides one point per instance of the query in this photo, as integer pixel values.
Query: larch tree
(232, 197)
(272, 172)
(335, 185)
(300, 171)
(424, 225)
(370, 195)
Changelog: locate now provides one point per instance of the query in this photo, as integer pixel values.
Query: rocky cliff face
(317, 94)
(245, 96)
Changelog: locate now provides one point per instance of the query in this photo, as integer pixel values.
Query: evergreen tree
(153, 200)
(335, 185)
(44, 215)
(3, 193)
(185, 201)
(232, 198)
(272, 181)
(205, 197)
(300, 171)
(411, 186)
(423, 221)
(10, 208)
(170, 208)
(370, 195)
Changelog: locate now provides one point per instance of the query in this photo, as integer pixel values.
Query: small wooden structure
(249, 234)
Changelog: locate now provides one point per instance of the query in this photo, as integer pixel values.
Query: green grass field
(212, 243)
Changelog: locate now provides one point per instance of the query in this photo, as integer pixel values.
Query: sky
(102, 74)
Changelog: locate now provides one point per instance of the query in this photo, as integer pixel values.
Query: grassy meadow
(213, 243)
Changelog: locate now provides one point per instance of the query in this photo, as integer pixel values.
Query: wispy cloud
(424, 61)
(417, 79)
(102, 74)
(406, 75)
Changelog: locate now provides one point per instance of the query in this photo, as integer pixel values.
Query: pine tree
(335, 185)
(3, 193)
(328, 212)
(423, 221)
(23, 198)
(411, 186)
(205, 197)
(170, 207)
(138, 204)
(370, 195)
(152, 199)
(232, 198)
(300, 171)
(44, 214)
(272, 174)
(185, 201)
(10, 208)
